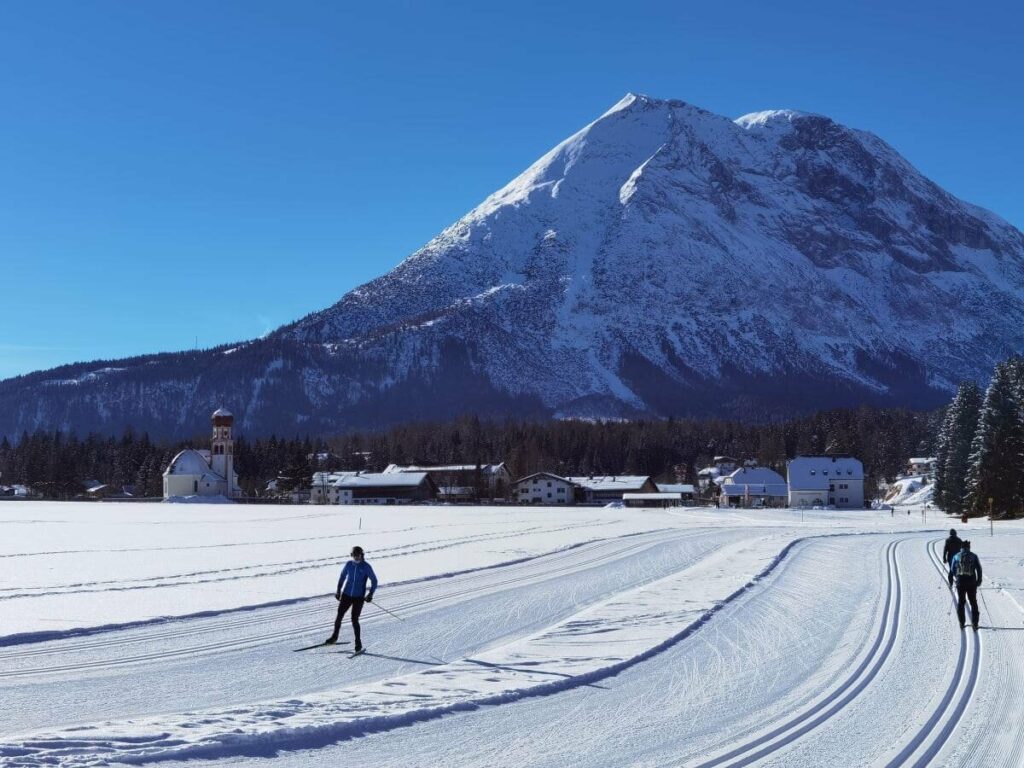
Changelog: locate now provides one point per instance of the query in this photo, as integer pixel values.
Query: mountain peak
(662, 260)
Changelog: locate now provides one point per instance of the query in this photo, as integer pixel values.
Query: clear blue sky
(180, 171)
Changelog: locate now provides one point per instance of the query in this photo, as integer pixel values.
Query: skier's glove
(369, 598)
(337, 596)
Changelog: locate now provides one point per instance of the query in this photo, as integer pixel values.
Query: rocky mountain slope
(662, 261)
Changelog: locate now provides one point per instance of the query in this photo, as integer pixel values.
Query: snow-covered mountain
(662, 261)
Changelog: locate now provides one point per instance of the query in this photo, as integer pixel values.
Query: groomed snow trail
(692, 637)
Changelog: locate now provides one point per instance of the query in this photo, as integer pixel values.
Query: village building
(206, 473)
(753, 486)
(923, 466)
(686, 491)
(544, 488)
(463, 482)
(371, 488)
(834, 481)
(719, 468)
(596, 489)
(659, 499)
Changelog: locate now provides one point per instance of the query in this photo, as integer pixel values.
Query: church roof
(190, 462)
(221, 412)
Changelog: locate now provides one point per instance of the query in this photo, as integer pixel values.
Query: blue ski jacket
(974, 567)
(354, 576)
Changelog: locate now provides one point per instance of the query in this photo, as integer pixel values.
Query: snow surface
(528, 636)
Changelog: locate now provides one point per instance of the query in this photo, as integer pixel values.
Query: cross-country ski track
(587, 637)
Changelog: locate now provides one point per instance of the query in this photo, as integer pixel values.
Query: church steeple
(222, 448)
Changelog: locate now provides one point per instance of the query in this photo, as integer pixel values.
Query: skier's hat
(952, 531)
(357, 551)
(966, 544)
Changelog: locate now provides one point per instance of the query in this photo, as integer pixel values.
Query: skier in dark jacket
(949, 551)
(966, 567)
(352, 594)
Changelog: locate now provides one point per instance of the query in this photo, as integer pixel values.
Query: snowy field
(139, 633)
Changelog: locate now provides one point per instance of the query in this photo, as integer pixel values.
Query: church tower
(222, 449)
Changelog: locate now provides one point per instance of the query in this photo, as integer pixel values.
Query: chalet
(752, 486)
(463, 482)
(720, 467)
(921, 467)
(686, 491)
(371, 488)
(605, 488)
(834, 481)
(544, 488)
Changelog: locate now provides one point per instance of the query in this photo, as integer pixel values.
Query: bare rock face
(662, 261)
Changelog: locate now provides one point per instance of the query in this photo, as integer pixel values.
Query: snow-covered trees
(953, 448)
(995, 472)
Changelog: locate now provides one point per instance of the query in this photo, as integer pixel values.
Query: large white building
(818, 481)
(206, 473)
(544, 488)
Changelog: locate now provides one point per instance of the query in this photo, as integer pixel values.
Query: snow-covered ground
(139, 633)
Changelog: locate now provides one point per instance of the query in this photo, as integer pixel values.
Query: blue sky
(181, 173)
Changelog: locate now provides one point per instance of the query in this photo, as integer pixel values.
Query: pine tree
(994, 476)
(954, 448)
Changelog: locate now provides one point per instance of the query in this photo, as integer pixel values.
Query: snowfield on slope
(134, 633)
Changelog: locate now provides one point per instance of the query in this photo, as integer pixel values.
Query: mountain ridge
(662, 260)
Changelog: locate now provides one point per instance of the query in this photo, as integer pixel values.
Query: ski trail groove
(560, 562)
(940, 740)
(793, 729)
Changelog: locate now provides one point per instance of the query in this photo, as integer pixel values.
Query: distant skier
(352, 594)
(966, 566)
(953, 545)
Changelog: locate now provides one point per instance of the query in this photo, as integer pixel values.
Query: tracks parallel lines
(847, 691)
(935, 746)
(473, 584)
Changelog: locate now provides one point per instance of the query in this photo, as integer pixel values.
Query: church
(206, 473)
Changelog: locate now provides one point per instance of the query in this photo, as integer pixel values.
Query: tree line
(980, 447)
(55, 463)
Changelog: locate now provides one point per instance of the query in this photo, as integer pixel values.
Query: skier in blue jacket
(966, 568)
(352, 594)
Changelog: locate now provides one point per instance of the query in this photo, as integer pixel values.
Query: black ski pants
(967, 589)
(356, 604)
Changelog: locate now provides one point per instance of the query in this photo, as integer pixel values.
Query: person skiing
(949, 551)
(352, 594)
(966, 566)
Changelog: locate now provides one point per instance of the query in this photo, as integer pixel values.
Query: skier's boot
(359, 649)
(330, 641)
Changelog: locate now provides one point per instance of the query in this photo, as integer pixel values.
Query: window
(549, 485)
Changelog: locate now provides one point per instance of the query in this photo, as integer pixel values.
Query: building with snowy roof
(206, 473)
(752, 486)
(371, 488)
(544, 488)
(921, 466)
(817, 481)
(596, 488)
(463, 482)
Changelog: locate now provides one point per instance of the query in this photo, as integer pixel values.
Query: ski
(360, 652)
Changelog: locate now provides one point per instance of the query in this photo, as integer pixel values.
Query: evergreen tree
(995, 470)
(953, 450)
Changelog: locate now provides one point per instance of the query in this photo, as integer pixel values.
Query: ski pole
(985, 603)
(381, 607)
